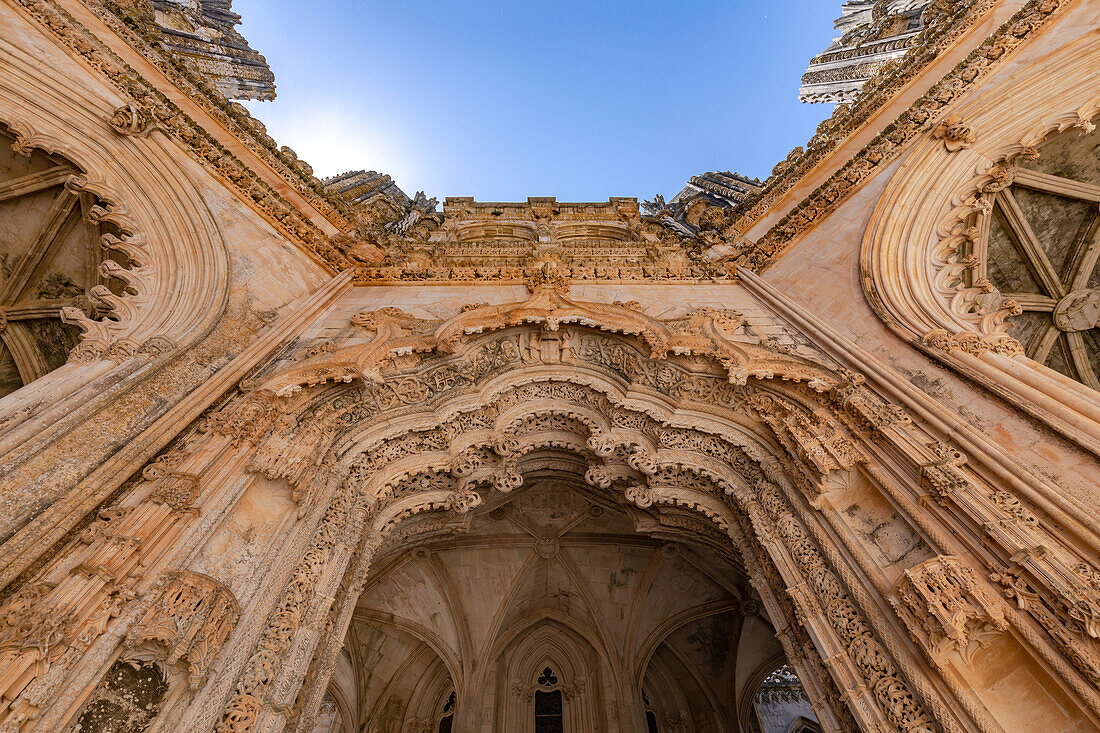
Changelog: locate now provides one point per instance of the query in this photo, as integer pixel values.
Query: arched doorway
(478, 401)
(552, 599)
(408, 444)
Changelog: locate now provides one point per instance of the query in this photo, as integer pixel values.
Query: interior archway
(557, 574)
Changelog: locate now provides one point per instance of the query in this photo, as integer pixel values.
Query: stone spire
(872, 34)
(204, 33)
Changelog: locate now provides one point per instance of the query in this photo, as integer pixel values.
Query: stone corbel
(640, 495)
(464, 500)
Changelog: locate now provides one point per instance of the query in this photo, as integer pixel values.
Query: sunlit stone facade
(818, 452)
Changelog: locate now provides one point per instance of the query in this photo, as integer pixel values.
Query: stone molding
(889, 143)
(936, 206)
(172, 121)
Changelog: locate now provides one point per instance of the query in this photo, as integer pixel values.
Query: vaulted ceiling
(624, 588)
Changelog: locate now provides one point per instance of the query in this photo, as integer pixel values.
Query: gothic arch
(659, 635)
(570, 656)
(683, 695)
(920, 270)
(438, 646)
(122, 704)
(665, 688)
(745, 695)
(342, 715)
(466, 450)
(430, 697)
(492, 463)
(770, 458)
(176, 285)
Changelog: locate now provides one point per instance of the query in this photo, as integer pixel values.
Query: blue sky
(501, 101)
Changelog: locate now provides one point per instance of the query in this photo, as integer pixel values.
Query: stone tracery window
(1040, 248)
(781, 703)
(50, 258)
(446, 722)
(549, 712)
(650, 716)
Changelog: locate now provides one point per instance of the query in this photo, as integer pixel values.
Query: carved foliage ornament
(191, 616)
(131, 120)
(708, 332)
(955, 133)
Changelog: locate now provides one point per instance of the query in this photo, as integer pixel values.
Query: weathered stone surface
(766, 455)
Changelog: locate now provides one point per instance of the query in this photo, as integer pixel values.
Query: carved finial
(655, 207)
(132, 121)
(955, 133)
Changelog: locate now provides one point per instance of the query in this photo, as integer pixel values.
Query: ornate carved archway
(781, 456)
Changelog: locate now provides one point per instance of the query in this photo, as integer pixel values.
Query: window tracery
(780, 702)
(650, 716)
(549, 712)
(446, 722)
(941, 259)
(1038, 247)
(52, 263)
